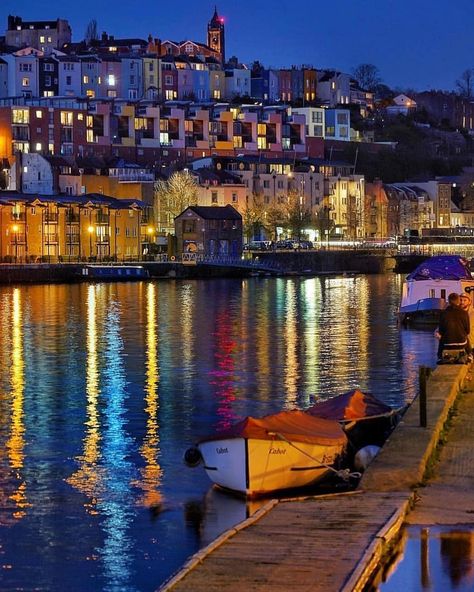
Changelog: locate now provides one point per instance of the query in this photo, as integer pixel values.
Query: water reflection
(89, 478)
(13, 493)
(103, 387)
(151, 473)
(438, 559)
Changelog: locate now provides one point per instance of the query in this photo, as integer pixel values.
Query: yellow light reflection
(89, 477)
(291, 343)
(16, 443)
(151, 473)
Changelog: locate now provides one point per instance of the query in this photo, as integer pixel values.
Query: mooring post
(423, 374)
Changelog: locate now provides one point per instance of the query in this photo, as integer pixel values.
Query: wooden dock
(288, 548)
(331, 543)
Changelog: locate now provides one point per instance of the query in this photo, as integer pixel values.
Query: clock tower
(216, 35)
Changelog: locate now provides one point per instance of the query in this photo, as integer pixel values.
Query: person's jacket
(454, 326)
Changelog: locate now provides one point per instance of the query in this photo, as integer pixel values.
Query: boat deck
(287, 547)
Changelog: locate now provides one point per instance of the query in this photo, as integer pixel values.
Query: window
(21, 116)
(342, 118)
(234, 198)
(68, 66)
(25, 82)
(25, 67)
(66, 117)
(111, 79)
(38, 147)
(48, 67)
(168, 79)
(112, 93)
(39, 114)
(85, 79)
(42, 38)
(80, 116)
(68, 80)
(48, 93)
(213, 196)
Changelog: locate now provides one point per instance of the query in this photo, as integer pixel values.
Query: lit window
(48, 93)
(90, 93)
(39, 114)
(51, 148)
(66, 117)
(41, 38)
(38, 146)
(25, 82)
(112, 48)
(111, 79)
(25, 169)
(21, 116)
(85, 79)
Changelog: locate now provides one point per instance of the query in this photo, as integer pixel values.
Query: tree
(253, 217)
(465, 84)
(298, 215)
(368, 76)
(324, 222)
(172, 197)
(91, 32)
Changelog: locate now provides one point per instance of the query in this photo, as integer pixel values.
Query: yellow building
(53, 228)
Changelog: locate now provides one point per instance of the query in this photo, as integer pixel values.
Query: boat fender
(365, 456)
(192, 457)
(172, 258)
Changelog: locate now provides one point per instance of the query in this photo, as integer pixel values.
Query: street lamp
(15, 229)
(90, 230)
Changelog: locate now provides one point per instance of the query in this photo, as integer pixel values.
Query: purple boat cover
(442, 267)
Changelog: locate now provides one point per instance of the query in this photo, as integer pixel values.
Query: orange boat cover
(351, 405)
(295, 426)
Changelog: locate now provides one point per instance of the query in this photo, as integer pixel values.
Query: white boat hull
(423, 300)
(256, 467)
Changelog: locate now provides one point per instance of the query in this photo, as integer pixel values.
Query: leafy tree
(465, 84)
(172, 197)
(368, 76)
(91, 32)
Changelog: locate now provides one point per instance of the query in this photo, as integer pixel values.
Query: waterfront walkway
(335, 543)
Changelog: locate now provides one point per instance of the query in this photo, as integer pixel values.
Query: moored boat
(425, 291)
(366, 419)
(286, 450)
(114, 272)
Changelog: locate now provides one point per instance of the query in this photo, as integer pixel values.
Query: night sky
(416, 44)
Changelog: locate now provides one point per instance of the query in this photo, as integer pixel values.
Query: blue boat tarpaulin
(442, 267)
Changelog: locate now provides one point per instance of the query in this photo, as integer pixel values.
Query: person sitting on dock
(454, 327)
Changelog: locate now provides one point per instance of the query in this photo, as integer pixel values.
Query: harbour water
(104, 386)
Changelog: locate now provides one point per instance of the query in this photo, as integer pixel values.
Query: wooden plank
(312, 544)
